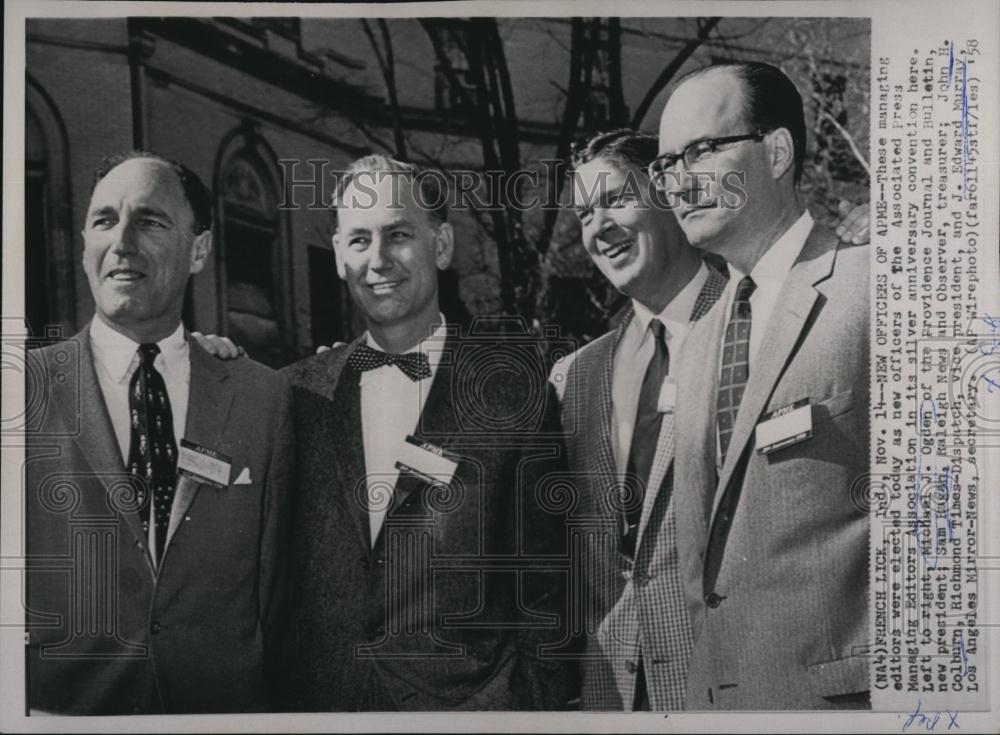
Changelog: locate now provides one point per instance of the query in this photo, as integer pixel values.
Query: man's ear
(444, 245)
(781, 149)
(338, 255)
(201, 248)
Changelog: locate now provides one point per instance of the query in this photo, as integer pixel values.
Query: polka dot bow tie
(414, 365)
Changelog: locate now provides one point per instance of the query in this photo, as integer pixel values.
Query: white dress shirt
(634, 352)
(391, 405)
(116, 358)
(769, 275)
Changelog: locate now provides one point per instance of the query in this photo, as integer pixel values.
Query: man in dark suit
(430, 545)
(617, 410)
(773, 395)
(157, 478)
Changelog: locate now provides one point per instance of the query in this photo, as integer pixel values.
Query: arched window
(254, 263)
(49, 294)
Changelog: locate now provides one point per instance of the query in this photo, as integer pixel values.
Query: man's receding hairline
(152, 159)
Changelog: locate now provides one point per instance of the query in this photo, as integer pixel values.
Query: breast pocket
(832, 407)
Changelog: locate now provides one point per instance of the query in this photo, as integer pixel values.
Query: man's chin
(701, 231)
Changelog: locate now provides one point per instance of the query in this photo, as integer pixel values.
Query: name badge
(425, 460)
(668, 396)
(784, 427)
(203, 464)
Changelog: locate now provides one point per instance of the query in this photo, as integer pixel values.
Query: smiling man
(617, 410)
(157, 482)
(773, 389)
(420, 579)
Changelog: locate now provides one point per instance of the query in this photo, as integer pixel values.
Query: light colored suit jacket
(775, 547)
(109, 633)
(627, 606)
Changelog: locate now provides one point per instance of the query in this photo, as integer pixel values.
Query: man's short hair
(622, 146)
(431, 194)
(771, 101)
(198, 196)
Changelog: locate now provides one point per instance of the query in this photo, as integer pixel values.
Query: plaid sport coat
(625, 607)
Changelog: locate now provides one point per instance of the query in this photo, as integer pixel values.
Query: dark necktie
(153, 451)
(414, 365)
(735, 364)
(646, 434)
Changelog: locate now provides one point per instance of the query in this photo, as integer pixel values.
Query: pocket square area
(244, 477)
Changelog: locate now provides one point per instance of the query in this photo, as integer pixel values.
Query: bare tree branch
(387, 65)
(849, 139)
(672, 68)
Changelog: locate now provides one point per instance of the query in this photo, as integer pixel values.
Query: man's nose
(379, 259)
(603, 224)
(123, 242)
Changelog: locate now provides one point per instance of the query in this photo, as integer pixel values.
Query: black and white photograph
(495, 358)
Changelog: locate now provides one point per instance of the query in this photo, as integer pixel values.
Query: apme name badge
(426, 460)
(784, 427)
(668, 396)
(203, 464)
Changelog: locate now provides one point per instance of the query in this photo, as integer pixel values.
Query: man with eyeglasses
(773, 397)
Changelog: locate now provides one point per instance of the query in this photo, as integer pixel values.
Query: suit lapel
(345, 436)
(96, 437)
(209, 401)
(709, 294)
(438, 421)
(603, 432)
(798, 295)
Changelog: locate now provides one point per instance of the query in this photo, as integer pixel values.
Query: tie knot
(148, 352)
(745, 288)
(659, 331)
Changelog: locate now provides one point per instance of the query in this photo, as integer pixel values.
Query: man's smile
(616, 249)
(384, 287)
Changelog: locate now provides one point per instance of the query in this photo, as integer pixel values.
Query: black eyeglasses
(696, 152)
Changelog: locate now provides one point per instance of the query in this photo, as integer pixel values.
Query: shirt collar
(676, 315)
(775, 264)
(117, 354)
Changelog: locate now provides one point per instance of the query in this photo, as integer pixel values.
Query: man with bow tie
(429, 524)
(157, 478)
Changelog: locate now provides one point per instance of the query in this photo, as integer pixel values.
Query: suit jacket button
(713, 600)
(137, 710)
(630, 667)
(156, 628)
(639, 579)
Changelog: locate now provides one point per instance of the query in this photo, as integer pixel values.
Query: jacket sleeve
(275, 534)
(543, 678)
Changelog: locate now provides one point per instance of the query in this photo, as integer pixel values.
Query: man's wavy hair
(432, 189)
(622, 146)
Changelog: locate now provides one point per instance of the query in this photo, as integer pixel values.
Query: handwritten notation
(929, 721)
(994, 341)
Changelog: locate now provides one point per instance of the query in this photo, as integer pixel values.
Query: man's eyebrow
(601, 196)
(398, 222)
(150, 210)
(100, 211)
